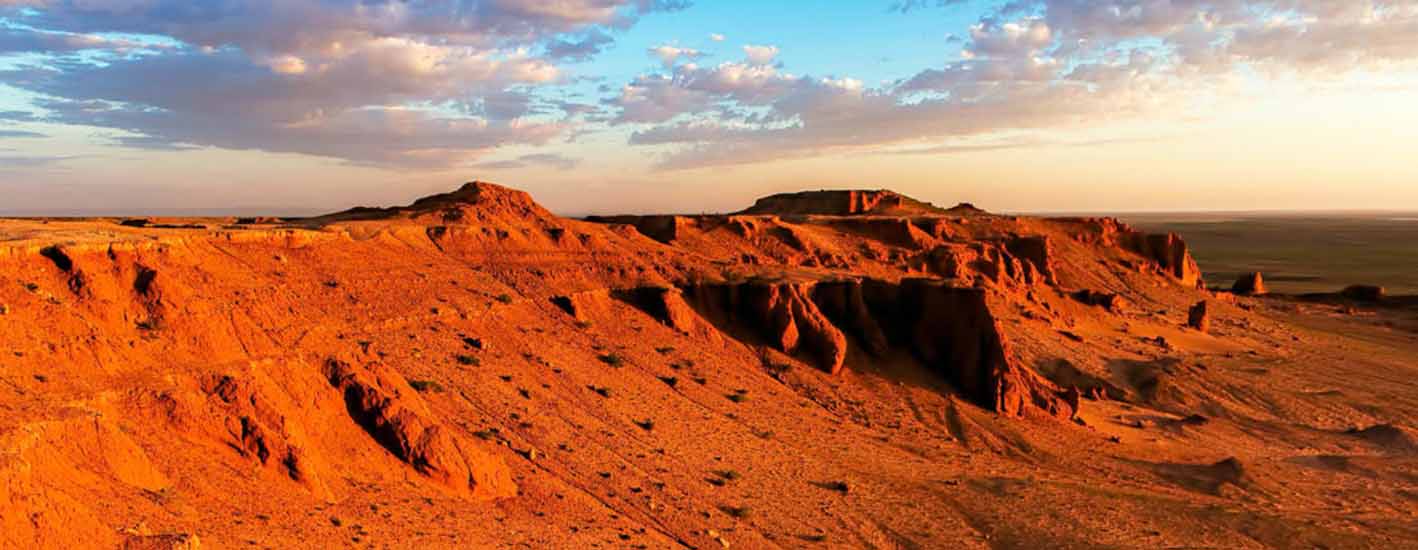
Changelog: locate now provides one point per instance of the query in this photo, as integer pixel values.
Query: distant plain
(1299, 252)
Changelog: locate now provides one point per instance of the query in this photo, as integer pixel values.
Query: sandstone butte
(823, 370)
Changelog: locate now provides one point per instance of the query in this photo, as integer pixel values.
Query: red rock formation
(953, 331)
(983, 260)
(1171, 254)
(782, 312)
(263, 431)
(667, 305)
(1037, 251)
(844, 304)
(664, 229)
(475, 201)
(1199, 317)
(841, 203)
(950, 329)
(1250, 284)
(1106, 300)
(383, 404)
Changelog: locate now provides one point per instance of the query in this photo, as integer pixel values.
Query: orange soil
(473, 372)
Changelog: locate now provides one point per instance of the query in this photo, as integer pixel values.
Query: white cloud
(760, 55)
(670, 54)
(1031, 65)
(387, 82)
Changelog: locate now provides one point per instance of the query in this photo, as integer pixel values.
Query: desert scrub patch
(612, 359)
(737, 512)
(469, 360)
(504, 298)
(425, 386)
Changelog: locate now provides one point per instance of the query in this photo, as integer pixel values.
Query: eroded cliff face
(949, 329)
(445, 348)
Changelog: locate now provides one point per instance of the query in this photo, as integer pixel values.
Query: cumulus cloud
(1029, 65)
(382, 82)
(670, 54)
(760, 55)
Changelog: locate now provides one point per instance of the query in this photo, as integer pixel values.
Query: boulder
(1199, 317)
(1106, 300)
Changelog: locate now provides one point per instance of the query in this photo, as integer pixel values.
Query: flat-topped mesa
(845, 203)
(474, 200)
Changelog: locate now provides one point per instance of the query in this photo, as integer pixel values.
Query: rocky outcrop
(1038, 252)
(582, 305)
(783, 313)
(893, 231)
(979, 262)
(1106, 300)
(1168, 252)
(664, 229)
(259, 427)
(1251, 284)
(667, 305)
(949, 329)
(1199, 317)
(953, 332)
(1171, 254)
(841, 203)
(384, 404)
(478, 201)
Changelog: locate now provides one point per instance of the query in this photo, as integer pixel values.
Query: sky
(687, 106)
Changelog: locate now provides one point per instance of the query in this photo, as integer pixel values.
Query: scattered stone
(1106, 300)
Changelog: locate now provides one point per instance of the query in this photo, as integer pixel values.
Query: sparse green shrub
(612, 359)
(426, 386)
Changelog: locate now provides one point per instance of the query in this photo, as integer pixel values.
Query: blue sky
(607, 105)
